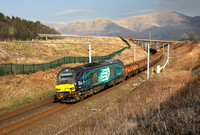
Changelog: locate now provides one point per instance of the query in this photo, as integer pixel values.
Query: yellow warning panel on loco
(65, 88)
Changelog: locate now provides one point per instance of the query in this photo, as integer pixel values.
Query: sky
(66, 11)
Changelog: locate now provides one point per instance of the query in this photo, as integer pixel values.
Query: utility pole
(150, 38)
(90, 60)
(163, 48)
(134, 51)
(157, 46)
(148, 61)
(167, 58)
(148, 55)
(168, 49)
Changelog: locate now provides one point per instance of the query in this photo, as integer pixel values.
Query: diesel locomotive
(76, 83)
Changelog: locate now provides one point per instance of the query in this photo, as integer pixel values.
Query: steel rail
(6, 114)
(24, 112)
(30, 118)
(61, 107)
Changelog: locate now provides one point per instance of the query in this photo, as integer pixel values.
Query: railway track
(25, 109)
(12, 127)
(25, 114)
(17, 120)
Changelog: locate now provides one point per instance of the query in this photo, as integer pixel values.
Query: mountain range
(162, 25)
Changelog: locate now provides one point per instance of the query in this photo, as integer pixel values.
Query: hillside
(37, 52)
(21, 29)
(96, 27)
(163, 25)
(167, 103)
(22, 89)
(144, 22)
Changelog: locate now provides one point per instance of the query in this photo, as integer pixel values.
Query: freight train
(76, 83)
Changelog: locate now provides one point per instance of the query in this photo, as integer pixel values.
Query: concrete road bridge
(139, 41)
(155, 43)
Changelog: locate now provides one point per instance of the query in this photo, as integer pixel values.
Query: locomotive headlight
(71, 88)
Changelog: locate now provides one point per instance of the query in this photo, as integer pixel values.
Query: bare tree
(193, 37)
(184, 36)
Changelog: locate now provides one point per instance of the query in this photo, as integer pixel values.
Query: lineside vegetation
(168, 103)
(18, 90)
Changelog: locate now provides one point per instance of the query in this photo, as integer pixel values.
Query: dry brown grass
(149, 109)
(17, 90)
(186, 56)
(168, 103)
(46, 51)
(22, 89)
(128, 57)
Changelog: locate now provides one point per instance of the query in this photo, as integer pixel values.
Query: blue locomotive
(75, 83)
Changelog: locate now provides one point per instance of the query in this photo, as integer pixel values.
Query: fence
(10, 68)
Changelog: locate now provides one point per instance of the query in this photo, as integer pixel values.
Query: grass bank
(168, 103)
(18, 90)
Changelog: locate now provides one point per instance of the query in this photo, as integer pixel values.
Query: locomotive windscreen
(66, 76)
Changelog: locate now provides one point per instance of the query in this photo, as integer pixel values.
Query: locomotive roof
(93, 65)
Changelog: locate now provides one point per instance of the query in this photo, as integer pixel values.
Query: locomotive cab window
(93, 78)
(79, 75)
(65, 76)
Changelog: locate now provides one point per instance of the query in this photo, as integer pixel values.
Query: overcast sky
(66, 11)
